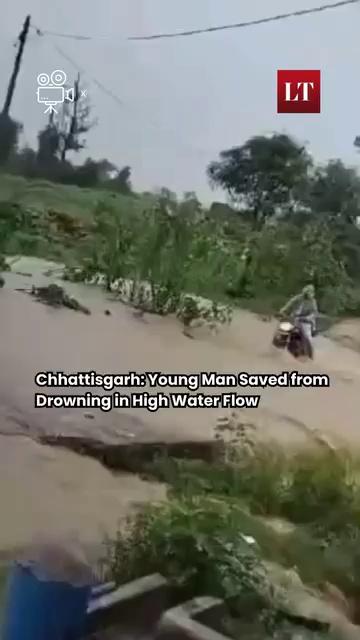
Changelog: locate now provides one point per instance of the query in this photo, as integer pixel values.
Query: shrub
(324, 488)
(194, 541)
(313, 488)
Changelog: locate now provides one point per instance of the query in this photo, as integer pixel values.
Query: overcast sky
(186, 99)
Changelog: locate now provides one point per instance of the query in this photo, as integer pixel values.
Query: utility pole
(11, 88)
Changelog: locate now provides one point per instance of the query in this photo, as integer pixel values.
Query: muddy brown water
(42, 489)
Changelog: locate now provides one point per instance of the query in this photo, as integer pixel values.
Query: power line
(57, 34)
(240, 25)
(97, 82)
(249, 23)
(120, 103)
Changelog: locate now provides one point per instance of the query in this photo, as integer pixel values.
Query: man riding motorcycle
(304, 310)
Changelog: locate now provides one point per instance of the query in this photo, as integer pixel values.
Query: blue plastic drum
(38, 609)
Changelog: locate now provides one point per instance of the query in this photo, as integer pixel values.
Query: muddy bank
(136, 457)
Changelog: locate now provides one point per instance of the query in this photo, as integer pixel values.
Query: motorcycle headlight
(285, 326)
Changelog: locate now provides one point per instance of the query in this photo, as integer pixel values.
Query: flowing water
(45, 489)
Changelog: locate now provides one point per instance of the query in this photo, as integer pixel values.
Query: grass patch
(319, 489)
(323, 545)
(218, 530)
(77, 202)
(175, 243)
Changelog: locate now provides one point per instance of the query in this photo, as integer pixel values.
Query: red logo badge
(298, 91)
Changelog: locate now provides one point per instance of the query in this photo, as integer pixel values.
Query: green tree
(334, 197)
(190, 205)
(111, 249)
(334, 191)
(9, 136)
(24, 162)
(262, 175)
(73, 121)
(122, 181)
(48, 146)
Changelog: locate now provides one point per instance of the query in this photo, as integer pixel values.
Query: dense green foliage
(64, 134)
(216, 533)
(263, 174)
(291, 223)
(194, 541)
(303, 220)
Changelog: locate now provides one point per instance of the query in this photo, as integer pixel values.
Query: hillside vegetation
(290, 222)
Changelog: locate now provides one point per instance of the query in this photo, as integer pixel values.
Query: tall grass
(200, 537)
(319, 488)
(180, 245)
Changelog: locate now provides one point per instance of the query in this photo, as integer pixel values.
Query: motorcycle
(291, 337)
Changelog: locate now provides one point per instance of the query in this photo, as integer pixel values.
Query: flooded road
(54, 488)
